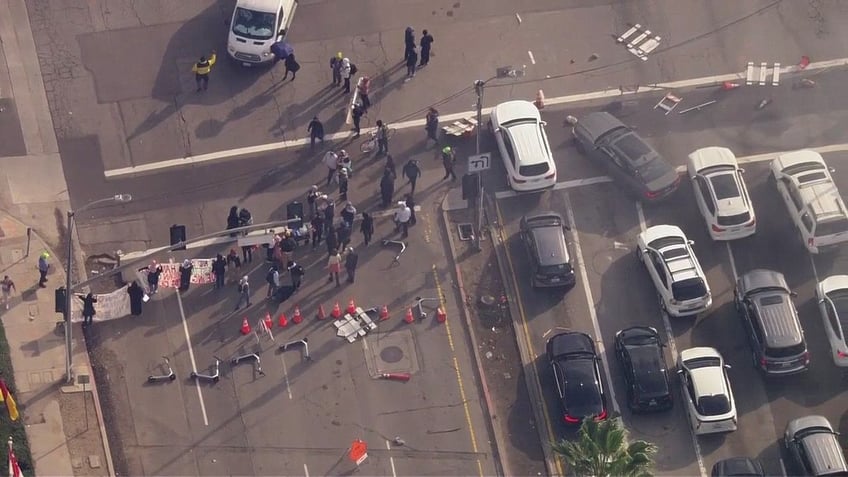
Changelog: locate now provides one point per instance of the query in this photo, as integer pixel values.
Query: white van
(255, 26)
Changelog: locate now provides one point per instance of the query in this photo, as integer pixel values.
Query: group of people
(410, 55)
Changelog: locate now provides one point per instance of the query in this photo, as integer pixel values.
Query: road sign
(358, 451)
(479, 162)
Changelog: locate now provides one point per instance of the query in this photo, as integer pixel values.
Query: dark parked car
(813, 447)
(543, 236)
(630, 160)
(738, 467)
(640, 352)
(574, 362)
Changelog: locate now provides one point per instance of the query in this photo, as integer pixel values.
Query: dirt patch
(79, 418)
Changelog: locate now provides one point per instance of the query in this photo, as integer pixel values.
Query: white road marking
(417, 123)
(518, 17)
(532, 58)
(559, 186)
(305, 470)
(672, 347)
(286, 376)
(732, 262)
(593, 315)
(191, 357)
(391, 460)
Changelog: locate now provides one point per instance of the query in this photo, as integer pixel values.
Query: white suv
(668, 256)
(721, 194)
(804, 181)
(707, 391)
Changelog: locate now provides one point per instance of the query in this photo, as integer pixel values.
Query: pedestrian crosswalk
(639, 41)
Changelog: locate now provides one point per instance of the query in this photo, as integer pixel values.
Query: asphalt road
(607, 221)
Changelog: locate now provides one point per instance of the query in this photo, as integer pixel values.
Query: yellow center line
(458, 373)
(523, 318)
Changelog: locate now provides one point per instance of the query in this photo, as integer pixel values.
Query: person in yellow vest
(201, 71)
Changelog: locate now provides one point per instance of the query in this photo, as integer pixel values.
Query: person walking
(448, 161)
(233, 220)
(409, 42)
(343, 184)
(291, 65)
(382, 138)
(153, 273)
(244, 292)
(8, 286)
(412, 172)
(387, 189)
(219, 269)
(336, 68)
(367, 227)
(136, 298)
(347, 70)
(351, 260)
(402, 216)
(273, 279)
(234, 262)
(356, 114)
(185, 275)
(315, 130)
(431, 125)
(364, 87)
(43, 267)
(317, 230)
(332, 240)
(348, 214)
(331, 162)
(344, 233)
(296, 272)
(426, 44)
(390, 167)
(411, 61)
(334, 266)
(410, 202)
(88, 312)
(201, 71)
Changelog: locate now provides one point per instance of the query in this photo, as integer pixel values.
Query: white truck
(255, 26)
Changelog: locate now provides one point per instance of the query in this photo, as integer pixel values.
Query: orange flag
(6, 397)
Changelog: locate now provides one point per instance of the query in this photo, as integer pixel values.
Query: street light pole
(478, 201)
(68, 290)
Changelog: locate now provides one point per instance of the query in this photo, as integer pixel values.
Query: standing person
(367, 227)
(331, 162)
(291, 65)
(412, 172)
(402, 216)
(219, 269)
(347, 71)
(426, 44)
(382, 138)
(312, 199)
(410, 202)
(317, 230)
(273, 279)
(334, 266)
(332, 240)
(43, 267)
(329, 215)
(88, 312)
(409, 42)
(390, 166)
(448, 160)
(185, 275)
(233, 220)
(348, 214)
(364, 87)
(245, 219)
(136, 298)
(387, 189)
(247, 254)
(344, 233)
(8, 286)
(153, 273)
(336, 67)
(351, 260)
(432, 126)
(356, 115)
(315, 130)
(233, 261)
(343, 184)
(201, 71)
(296, 272)
(345, 162)
(244, 292)
(411, 61)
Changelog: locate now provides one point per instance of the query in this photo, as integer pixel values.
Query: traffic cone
(403, 377)
(409, 318)
(337, 311)
(296, 318)
(283, 320)
(540, 100)
(441, 316)
(805, 62)
(351, 307)
(728, 85)
(245, 326)
(269, 323)
(384, 313)
(321, 314)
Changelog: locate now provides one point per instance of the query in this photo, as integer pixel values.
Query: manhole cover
(391, 354)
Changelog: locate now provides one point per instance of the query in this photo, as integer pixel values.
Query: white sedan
(707, 391)
(721, 193)
(523, 144)
(832, 296)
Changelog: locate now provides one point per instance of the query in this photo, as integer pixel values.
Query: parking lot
(605, 222)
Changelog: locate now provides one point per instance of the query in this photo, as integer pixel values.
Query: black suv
(640, 353)
(543, 236)
(631, 160)
(764, 302)
(574, 362)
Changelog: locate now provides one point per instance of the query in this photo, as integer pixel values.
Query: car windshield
(831, 227)
(787, 351)
(559, 269)
(517, 122)
(688, 289)
(532, 170)
(725, 186)
(839, 298)
(713, 405)
(254, 25)
(802, 167)
(665, 242)
(703, 362)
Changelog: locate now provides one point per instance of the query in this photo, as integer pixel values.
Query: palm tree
(602, 450)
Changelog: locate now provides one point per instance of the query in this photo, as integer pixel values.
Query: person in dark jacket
(219, 269)
(409, 42)
(390, 166)
(317, 230)
(410, 202)
(344, 233)
(329, 215)
(88, 312)
(367, 227)
(296, 271)
(315, 130)
(185, 275)
(291, 65)
(426, 44)
(431, 125)
(348, 214)
(136, 294)
(412, 172)
(351, 260)
(356, 114)
(331, 240)
(411, 61)
(387, 189)
(233, 220)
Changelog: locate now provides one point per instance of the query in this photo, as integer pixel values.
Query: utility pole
(478, 200)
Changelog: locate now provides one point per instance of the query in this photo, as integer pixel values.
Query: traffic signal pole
(478, 200)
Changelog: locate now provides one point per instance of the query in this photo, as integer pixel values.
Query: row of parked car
(762, 298)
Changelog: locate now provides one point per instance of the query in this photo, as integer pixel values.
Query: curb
(502, 464)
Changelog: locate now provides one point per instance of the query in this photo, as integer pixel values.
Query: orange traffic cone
(296, 318)
(409, 318)
(337, 311)
(321, 314)
(269, 323)
(540, 100)
(245, 326)
(351, 307)
(283, 320)
(402, 377)
(728, 85)
(441, 316)
(384, 313)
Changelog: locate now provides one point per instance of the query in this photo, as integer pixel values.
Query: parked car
(738, 467)
(523, 145)
(681, 285)
(255, 26)
(721, 194)
(804, 182)
(543, 236)
(832, 295)
(764, 302)
(813, 447)
(639, 350)
(630, 160)
(574, 363)
(706, 390)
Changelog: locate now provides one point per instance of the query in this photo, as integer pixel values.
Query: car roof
(570, 342)
(823, 199)
(550, 243)
(824, 453)
(528, 143)
(709, 381)
(711, 156)
(780, 325)
(761, 278)
(517, 109)
(597, 124)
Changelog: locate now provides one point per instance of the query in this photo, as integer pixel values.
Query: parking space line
(286, 376)
(593, 314)
(391, 459)
(305, 470)
(191, 357)
(672, 346)
(732, 262)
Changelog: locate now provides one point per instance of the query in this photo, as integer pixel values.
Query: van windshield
(254, 25)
